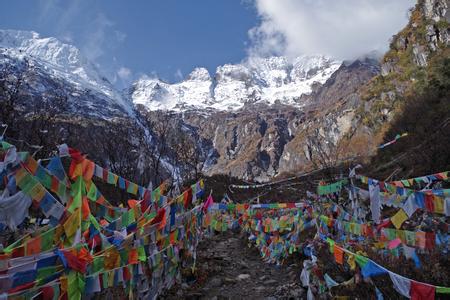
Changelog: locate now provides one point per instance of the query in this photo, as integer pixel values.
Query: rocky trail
(229, 269)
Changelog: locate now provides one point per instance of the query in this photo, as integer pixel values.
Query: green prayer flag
(76, 283)
(331, 188)
(92, 193)
(5, 145)
(410, 237)
(361, 260)
(47, 239)
(442, 290)
(44, 177)
(224, 226)
(94, 222)
(105, 280)
(141, 254)
(150, 215)
(124, 253)
(98, 264)
(77, 194)
(27, 184)
(43, 273)
(62, 191)
(331, 244)
(126, 218)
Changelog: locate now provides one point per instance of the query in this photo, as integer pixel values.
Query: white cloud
(124, 73)
(94, 46)
(179, 75)
(340, 28)
(93, 32)
(120, 36)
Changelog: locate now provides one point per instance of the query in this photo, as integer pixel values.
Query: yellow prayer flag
(20, 175)
(32, 164)
(78, 171)
(73, 223)
(379, 245)
(438, 205)
(399, 218)
(37, 192)
(351, 261)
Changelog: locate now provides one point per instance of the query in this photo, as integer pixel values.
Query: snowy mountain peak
(259, 80)
(49, 49)
(200, 74)
(61, 61)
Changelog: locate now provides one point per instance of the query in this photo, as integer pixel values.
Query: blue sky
(168, 38)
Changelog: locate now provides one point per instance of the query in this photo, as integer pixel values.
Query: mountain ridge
(262, 80)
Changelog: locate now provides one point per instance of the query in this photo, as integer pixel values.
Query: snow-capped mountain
(254, 143)
(61, 62)
(261, 80)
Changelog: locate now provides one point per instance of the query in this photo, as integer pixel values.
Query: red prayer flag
(74, 262)
(187, 197)
(208, 203)
(126, 274)
(421, 291)
(338, 255)
(160, 218)
(84, 254)
(88, 169)
(54, 185)
(430, 240)
(18, 252)
(34, 246)
(133, 257)
(76, 155)
(429, 205)
(132, 203)
(47, 293)
(22, 287)
(85, 210)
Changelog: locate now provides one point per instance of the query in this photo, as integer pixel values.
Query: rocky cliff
(343, 119)
(261, 141)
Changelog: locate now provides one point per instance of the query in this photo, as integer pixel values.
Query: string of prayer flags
(441, 176)
(397, 137)
(406, 287)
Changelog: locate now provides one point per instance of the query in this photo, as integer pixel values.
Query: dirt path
(229, 269)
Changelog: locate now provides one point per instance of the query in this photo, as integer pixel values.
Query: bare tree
(159, 124)
(187, 155)
(12, 81)
(323, 152)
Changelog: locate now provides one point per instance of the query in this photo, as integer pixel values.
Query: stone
(297, 293)
(243, 276)
(270, 282)
(194, 295)
(215, 282)
(229, 280)
(244, 265)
